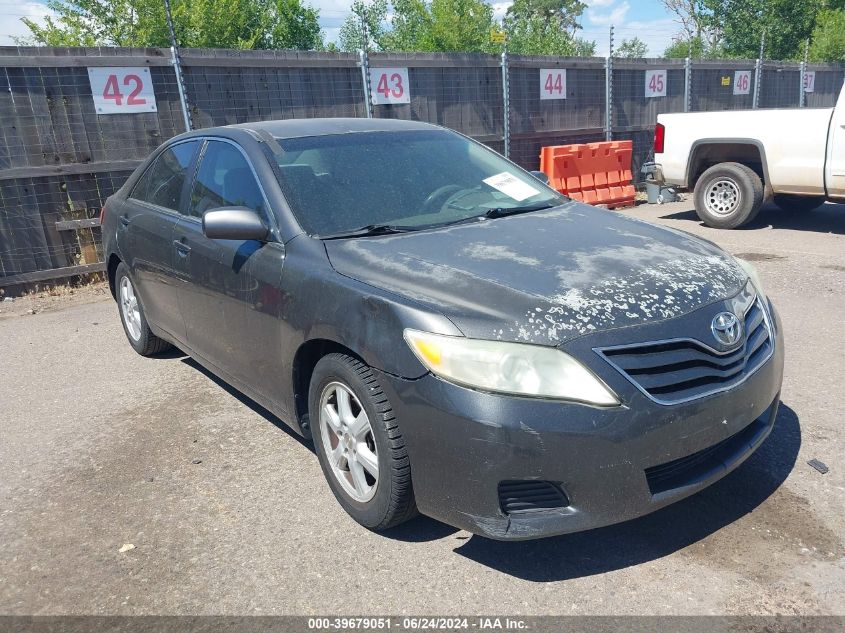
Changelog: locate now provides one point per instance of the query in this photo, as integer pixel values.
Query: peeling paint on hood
(545, 277)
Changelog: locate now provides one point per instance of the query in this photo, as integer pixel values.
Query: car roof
(297, 128)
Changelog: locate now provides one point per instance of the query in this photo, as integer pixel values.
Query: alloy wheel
(348, 441)
(129, 309)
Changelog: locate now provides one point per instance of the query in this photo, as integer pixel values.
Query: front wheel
(357, 439)
(728, 195)
(790, 202)
(132, 316)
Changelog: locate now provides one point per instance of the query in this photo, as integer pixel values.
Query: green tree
(562, 14)
(632, 48)
(420, 25)
(440, 25)
(696, 48)
(198, 23)
(532, 36)
(539, 27)
(787, 24)
(351, 35)
(697, 24)
(294, 25)
(828, 40)
(546, 27)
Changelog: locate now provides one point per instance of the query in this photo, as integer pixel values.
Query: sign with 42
(122, 90)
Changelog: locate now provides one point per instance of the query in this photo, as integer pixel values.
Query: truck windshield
(343, 183)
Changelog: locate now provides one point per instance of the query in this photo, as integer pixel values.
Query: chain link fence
(61, 156)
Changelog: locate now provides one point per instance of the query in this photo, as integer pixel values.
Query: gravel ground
(228, 512)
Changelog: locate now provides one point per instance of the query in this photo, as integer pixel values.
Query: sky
(646, 19)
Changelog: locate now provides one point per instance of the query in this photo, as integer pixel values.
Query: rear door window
(164, 180)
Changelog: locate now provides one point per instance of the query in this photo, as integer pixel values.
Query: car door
(229, 290)
(146, 221)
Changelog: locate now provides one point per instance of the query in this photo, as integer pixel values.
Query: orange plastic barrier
(595, 173)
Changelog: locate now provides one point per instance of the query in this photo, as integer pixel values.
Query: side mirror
(233, 223)
(541, 176)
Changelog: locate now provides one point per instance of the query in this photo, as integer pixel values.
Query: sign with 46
(742, 82)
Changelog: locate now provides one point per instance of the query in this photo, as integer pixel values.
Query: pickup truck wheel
(789, 202)
(358, 442)
(728, 195)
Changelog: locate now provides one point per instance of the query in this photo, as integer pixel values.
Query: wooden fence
(60, 159)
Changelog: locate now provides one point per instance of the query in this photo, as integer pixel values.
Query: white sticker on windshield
(511, 186)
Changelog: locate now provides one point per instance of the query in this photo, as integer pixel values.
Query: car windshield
(363, 182)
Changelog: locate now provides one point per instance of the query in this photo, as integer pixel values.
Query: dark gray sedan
(457, 338)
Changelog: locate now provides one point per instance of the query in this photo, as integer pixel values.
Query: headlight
(754, 276)
(514, 368)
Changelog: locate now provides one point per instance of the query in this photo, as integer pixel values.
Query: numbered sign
(809, 80)
(655, 83)
(389, 85)
(552, 83)
(122, 90)
(742, 82)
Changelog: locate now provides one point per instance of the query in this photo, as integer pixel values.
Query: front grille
(701, 465)
(684, 369)
(528, 495)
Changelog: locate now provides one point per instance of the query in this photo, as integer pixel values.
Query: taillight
(102, 215)
(659, 137)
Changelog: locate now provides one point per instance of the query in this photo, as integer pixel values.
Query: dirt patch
(834, 267)
(55, 298)
(760, 257)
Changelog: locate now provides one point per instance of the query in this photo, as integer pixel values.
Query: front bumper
(462, 443)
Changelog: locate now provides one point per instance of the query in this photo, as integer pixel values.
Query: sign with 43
(389, 85)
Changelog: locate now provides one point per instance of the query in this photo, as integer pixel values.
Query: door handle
(181, 248)
(124, 220)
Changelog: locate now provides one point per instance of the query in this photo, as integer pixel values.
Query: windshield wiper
(370, 229)
(500, 212)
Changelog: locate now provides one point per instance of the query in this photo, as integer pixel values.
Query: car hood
(545, 277)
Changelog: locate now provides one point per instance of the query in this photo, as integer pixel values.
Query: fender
(726, 141)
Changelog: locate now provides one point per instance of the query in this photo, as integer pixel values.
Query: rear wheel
(132, 316)
(789, 202)
(728, 195)
(357, 439)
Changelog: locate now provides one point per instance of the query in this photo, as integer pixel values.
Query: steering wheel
(441, 193)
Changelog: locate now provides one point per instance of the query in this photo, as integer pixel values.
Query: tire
(728, 195)
(132, 317)
(789, 202)
(342, 451)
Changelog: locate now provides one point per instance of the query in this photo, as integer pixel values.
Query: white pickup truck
(735, 160)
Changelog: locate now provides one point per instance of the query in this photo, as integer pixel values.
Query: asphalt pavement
(147, 486)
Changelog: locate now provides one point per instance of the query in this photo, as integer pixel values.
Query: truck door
(835, 164)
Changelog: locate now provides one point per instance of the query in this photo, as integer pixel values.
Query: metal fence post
(180, 85)
(365, 80)
(177, 68)
(506, 102)
(801, 93)
(758, 77)
(608, 91)
(758, 72)
(688, 84)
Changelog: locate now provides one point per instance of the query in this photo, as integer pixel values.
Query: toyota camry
(457, 338)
